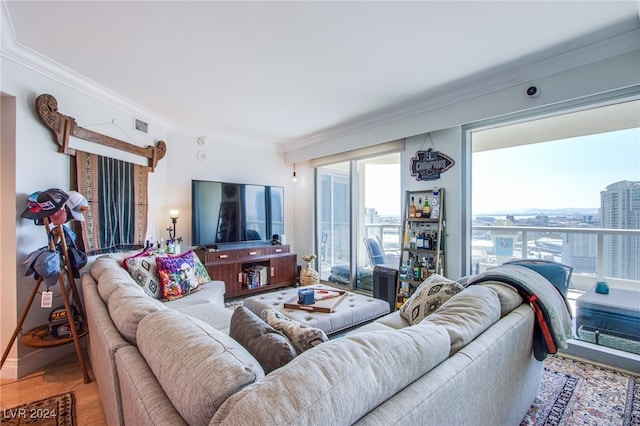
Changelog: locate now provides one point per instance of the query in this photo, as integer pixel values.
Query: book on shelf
(255, 276)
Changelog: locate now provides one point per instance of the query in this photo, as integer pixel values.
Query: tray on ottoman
(324, 305)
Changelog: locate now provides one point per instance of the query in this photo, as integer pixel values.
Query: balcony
(596, 254)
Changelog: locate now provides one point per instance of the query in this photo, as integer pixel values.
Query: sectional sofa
(172, 363)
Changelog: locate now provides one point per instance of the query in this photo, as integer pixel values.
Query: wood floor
(61, 376)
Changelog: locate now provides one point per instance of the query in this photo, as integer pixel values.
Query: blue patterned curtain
(116, 219)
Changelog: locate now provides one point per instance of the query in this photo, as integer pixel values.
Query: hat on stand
(45, 263)
(44, 204)
(77, 205)
(59, 217)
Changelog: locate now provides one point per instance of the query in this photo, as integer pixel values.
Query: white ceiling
(285, 73)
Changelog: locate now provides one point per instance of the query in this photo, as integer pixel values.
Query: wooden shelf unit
(228, 265)
(435, 254)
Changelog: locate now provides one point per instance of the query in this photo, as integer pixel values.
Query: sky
(382, 190)
(569, 173)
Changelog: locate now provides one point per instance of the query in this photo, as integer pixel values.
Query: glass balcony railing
(595, 254)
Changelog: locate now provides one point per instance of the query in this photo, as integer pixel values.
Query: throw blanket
(553, 319)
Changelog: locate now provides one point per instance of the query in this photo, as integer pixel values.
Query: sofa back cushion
(466, 315)
(114, 279)
(127, 307)
(339, 381)
(197, 366)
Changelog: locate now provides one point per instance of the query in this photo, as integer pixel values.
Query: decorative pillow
(145, 253)
(177, 275)
(201, 272)
(267, 345)
(428, 297)
(302, 336)
(144, 272)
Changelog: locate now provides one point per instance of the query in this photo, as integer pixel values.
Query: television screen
(225, 213)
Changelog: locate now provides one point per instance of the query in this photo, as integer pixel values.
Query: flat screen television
(225, 214)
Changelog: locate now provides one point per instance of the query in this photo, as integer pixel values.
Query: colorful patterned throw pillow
(143, 253)
(180, 275)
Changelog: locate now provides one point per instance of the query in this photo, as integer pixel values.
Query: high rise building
(620, 209)
(580, 251)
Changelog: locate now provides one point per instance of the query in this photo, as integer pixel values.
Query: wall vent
(141, 126)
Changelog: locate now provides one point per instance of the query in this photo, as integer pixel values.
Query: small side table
(617, 312)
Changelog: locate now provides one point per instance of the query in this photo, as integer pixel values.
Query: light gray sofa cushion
(509, 297)
(104, 263)
(197, 366)
(210, 293)
(269, 346)
(215, 316)
(466, 315)
(127, 307)
(114, 279)
(365, 370)
(143, 400)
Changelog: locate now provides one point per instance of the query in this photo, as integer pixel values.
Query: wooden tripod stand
(38, 336)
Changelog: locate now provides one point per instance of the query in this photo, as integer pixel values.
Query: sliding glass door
(334, 222)
(359, 207)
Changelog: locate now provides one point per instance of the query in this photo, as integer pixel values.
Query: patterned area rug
(578, 393)
(56, 410)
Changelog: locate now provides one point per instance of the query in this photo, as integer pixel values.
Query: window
(562, 188)
(348, 213)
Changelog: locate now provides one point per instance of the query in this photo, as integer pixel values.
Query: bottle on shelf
(418, 212)
(412, 239)
(417, 272)
(406, 235)
(425, 270)
(404, 270)
(426, 209)
(412, 209)
(427, 240)
(435, 204)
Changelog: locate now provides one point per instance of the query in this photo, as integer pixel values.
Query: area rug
(58, 410)
(574, 392)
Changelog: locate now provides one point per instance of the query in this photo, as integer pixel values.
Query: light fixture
(173, 214)
(294, 178)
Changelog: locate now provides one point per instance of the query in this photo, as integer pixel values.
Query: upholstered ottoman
(354, 310)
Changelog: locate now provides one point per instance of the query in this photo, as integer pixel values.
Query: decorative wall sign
(427, 165)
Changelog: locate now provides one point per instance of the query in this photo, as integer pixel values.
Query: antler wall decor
(63, 126)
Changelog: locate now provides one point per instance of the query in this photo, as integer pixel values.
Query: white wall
(224, 162)
(39, 166)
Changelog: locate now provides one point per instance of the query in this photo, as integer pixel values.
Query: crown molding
(587, 50)
(216, 137)
(12, 50)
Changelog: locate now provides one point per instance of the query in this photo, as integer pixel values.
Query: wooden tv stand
(228, 265)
